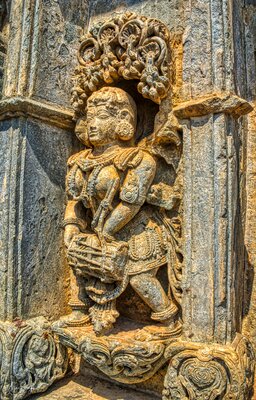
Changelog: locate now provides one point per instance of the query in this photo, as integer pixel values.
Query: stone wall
(212, 74)
(36, 142)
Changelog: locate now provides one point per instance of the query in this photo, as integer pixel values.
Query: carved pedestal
(132, 354)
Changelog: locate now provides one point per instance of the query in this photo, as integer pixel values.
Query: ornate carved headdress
(130, 47)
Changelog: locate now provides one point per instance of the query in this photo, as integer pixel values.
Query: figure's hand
(155, 193)
(69, 233)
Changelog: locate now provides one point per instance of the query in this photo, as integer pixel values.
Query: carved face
(111, 117)
(101, 124)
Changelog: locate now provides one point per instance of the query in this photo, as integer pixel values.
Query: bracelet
(109, 238)
(75, 221)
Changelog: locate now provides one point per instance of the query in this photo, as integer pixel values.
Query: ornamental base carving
(210, 372)
(130, 354)
(196, 371)
(30, 358)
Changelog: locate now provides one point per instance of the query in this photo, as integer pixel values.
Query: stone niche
(127, 199)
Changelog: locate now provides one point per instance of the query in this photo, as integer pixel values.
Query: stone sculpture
(124, 218)
(116, 228)
(159, 225)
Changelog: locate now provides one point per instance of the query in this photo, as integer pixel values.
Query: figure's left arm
(133, 194)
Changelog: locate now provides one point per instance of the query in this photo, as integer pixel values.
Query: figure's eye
(103, 115)
(89, 115)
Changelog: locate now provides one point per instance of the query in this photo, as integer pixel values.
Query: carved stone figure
(116, 228)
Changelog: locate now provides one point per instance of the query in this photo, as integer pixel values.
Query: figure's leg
(78, 298)
(147, 286)
(78, 303)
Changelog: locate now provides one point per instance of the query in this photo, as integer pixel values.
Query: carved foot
(167, 316)
(76, 319)
(164, 332)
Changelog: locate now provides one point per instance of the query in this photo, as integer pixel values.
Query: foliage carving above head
(129, 47)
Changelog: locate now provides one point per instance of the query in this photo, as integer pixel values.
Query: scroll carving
(30, 358)
(210, 372)
(124, 364)
(37, 360)
(128, 47)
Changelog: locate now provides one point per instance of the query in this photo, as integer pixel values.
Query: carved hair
(116, 99)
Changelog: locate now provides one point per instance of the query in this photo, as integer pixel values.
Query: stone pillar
(36, 140)
(36, 136)
(212, 229)
(249, 323)
(212, 214)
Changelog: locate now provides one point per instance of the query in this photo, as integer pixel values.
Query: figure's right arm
(74, 220)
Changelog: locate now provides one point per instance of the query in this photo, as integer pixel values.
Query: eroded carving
(123, 220)
(117, 229)
(198, 371)
(126, 355)
(123, 363)
(31, 359)
(129, 47)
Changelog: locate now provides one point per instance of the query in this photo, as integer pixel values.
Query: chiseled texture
(43, 41)
(90, 388)
(249, 325)
(35, 279)
(200, 91)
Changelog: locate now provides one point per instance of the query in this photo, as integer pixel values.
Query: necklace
(93, 161)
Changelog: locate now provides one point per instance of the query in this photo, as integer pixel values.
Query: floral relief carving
(123, 363)
(201, 372)
(31, 359)
(127, 47)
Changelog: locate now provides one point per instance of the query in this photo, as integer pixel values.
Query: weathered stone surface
(112, 52)
(249, 323)
(211, 201)
(30, 358)
(90, 388)
(171, 13)
(33, 271)
(46, 112)
(224, 102)
(139, 197)
(210, 372)
(40, 61)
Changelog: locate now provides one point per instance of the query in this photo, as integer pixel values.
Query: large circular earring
(83, 136)
(125, 131)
